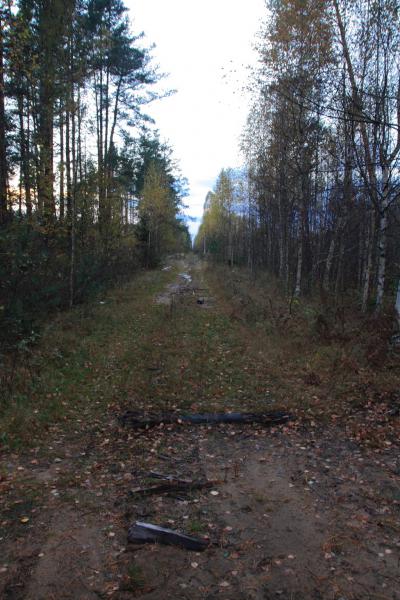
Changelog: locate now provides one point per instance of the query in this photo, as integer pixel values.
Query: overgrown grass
(316, 355)
(85, 359)
(251, 351)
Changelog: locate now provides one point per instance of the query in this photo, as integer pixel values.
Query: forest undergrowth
(322, 356)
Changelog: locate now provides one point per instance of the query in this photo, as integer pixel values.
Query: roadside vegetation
(326, 362)
(83, 360)
(89, 194)
(254, 350)
(316, 204)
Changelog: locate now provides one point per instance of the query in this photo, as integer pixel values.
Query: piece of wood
(172, 486)
(147, 533)
(158, 475)
(143, 421)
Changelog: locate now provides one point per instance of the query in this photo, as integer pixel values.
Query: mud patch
(71, 561)
(278, 525)
(167, 297)
(189, 289)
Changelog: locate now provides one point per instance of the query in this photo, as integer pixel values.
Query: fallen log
(172, 486)
(147, 533)
(158, 475)
(141, 421)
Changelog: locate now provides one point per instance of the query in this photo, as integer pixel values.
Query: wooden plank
(147, 533)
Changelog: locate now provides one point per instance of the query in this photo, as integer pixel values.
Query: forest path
(295, 513)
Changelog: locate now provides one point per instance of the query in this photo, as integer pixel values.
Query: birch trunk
(382, 242)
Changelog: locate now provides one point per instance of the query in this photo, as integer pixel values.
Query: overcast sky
(205, 47)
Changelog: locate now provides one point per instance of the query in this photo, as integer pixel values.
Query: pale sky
(205, 47)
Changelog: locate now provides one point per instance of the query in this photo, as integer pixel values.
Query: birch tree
(375, 94)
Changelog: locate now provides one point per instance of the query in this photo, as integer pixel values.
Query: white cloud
(205, 47)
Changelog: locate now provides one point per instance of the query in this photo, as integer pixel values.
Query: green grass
(135, 579)
(130, 353)
(195, 526)
(86, 361)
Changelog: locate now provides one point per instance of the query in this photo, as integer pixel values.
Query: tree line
(318, 201)
(88, 192)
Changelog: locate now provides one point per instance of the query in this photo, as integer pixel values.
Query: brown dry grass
(325, 358)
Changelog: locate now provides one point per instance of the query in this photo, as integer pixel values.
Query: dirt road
(295, 513)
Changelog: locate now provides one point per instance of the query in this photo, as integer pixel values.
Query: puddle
(186, 277)
(166, 296)
(178, 291)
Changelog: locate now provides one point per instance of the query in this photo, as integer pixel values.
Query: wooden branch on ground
(173, 486)
(143, 421)
(141, 533)
(158, 475)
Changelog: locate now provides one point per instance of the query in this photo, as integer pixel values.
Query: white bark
(297, 289)
(382, 242)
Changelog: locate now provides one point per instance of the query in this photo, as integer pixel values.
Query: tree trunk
(73, 210)
(283, 243)
(45, 176)
(62, 165)
(397, 305)
(329, 262)
(368, 262)
(49, 32)
(297, 289)
(382, 243)
(339, 273)
(3, 150)
(68, 161)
